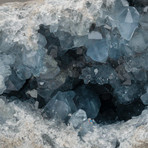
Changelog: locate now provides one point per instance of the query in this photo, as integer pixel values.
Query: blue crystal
(97, 50)
(60, 105)
(128, 22)
(78, 118)
(14, 83)
(88, 101)
(144, 99)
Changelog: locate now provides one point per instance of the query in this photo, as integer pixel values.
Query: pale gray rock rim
(26, 129)
(9, 1)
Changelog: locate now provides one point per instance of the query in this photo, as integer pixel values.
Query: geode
(74, 74)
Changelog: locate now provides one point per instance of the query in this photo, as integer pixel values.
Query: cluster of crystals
(117, 51)
(18, 63)
(121, 39)
(114, 53)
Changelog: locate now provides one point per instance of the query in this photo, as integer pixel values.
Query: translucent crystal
(88, 101)
(45, 93)
(144, 99)
(127, 22)
(127, 30)
(61, 105)
(58, 109)
(125, 18)
(33, 60)
(14, 83)
(23, 72)
(78, 118)
(129, 15)
(138, 43)
(47, 86)
(112, 15)
(51, 68)
(94, 35)
(97, 50)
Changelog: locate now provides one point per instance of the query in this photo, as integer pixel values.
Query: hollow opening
(138, 3)
(100, 103)
(109, 111)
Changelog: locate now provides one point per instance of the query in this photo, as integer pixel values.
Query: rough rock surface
(7, 1)
(25, 127)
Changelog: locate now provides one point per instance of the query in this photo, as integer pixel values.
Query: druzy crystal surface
(77, 70)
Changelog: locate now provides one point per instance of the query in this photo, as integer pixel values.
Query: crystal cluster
(78, 65)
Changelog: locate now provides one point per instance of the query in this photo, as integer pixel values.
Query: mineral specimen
(70, 68)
